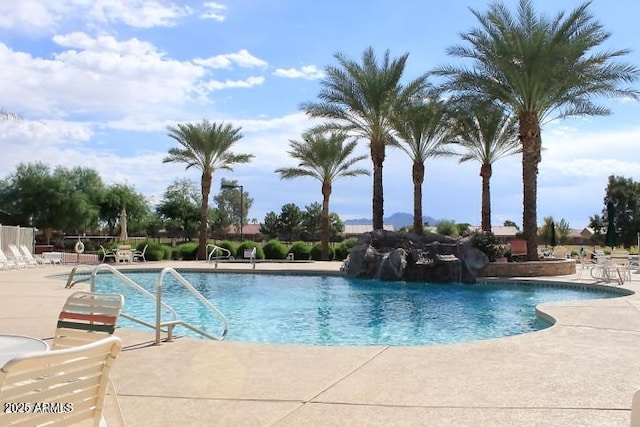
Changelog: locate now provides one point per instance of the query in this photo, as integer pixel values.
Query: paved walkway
(580, 372)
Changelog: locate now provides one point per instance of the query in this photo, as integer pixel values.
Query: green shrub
(447, 227)
(274, 249)
(344, 248)
(155, 251)
(188, 251)
(248, 244)
(300, 250)
(487, 243)
(316, 252)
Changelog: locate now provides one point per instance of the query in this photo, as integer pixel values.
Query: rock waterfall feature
(389, 255)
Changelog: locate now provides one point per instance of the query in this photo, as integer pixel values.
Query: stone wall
(529, 268)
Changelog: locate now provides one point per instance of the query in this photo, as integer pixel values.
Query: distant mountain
(398, 220)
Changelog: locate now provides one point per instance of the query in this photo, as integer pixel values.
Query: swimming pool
(335, 310)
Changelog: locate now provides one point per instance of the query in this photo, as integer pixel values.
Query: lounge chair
(107, 254)
(6, 262)
(11, 262)
(139, 255)
(18, 256)
(61, 387)
(585, 262)
(38, 260)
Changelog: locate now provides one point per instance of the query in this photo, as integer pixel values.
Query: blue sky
(98, 82)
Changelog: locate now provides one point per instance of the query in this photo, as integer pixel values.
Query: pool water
(328, 310)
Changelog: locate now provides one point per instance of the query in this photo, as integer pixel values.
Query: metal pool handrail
(198, 295)
(159, 325)
(215, 248)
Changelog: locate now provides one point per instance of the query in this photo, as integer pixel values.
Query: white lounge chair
(75, 379)
(11, 262)
(6, 262)
(38, 260)
(19, 257)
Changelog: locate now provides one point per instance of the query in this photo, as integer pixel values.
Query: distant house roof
(500, 230)
(364, 228)
(246, 229)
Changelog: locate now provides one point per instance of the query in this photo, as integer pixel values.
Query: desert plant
(487, 243)
(300, 250)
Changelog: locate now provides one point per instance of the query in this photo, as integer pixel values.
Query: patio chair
(6, 262)
(38, 260)
(139, 255)
(107, 254)
(585, 262)
(518, 248)
(18, 256)
(87, 317)
(58, 387)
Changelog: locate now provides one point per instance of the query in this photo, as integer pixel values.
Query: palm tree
(360, 98)
(540, 69)
(421, 126)
(486, 133)
(326, 157)
(206, 146)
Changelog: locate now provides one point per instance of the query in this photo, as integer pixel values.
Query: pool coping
(581, 371)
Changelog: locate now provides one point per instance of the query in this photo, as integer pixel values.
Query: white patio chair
(11, 262)
(107, 254)
(73, 382)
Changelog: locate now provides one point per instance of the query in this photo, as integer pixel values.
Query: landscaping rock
(432, 257)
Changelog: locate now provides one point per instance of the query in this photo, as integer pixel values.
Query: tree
(563, 229)
(179, 208)
(540, 69)
(359, 98)
(326, 157)
(625, 195)
(205, 146)
(421, 125)
(509, 223)
(230, 203)
(312, 223)
(485, 133)
(121, 196)
(290, 221)
(270, 227)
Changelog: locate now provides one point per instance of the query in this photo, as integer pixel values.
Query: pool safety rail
(218, 253)
(160, 326)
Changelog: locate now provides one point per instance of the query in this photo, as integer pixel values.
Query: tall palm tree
(325, 156)
(486, 133)
(540, 69)
(205, 146)
(421, 126)
(359, 99)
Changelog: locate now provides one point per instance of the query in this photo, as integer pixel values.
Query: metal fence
(16, 235)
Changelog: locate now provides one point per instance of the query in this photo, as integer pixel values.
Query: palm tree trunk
(203, 231)
(531, 143)
(377, 157)
(418, 179)
(485, 173)
(324, 231)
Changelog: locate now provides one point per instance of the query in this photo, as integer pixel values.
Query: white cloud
(215, 11)
(241, 58)
(309, 72)
(48, 16)
(227, 84)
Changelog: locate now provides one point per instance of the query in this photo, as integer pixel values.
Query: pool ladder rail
(159, 326)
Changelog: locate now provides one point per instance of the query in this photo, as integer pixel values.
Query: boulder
(389, 255)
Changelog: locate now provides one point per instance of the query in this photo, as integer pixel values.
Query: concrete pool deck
(580, 372)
